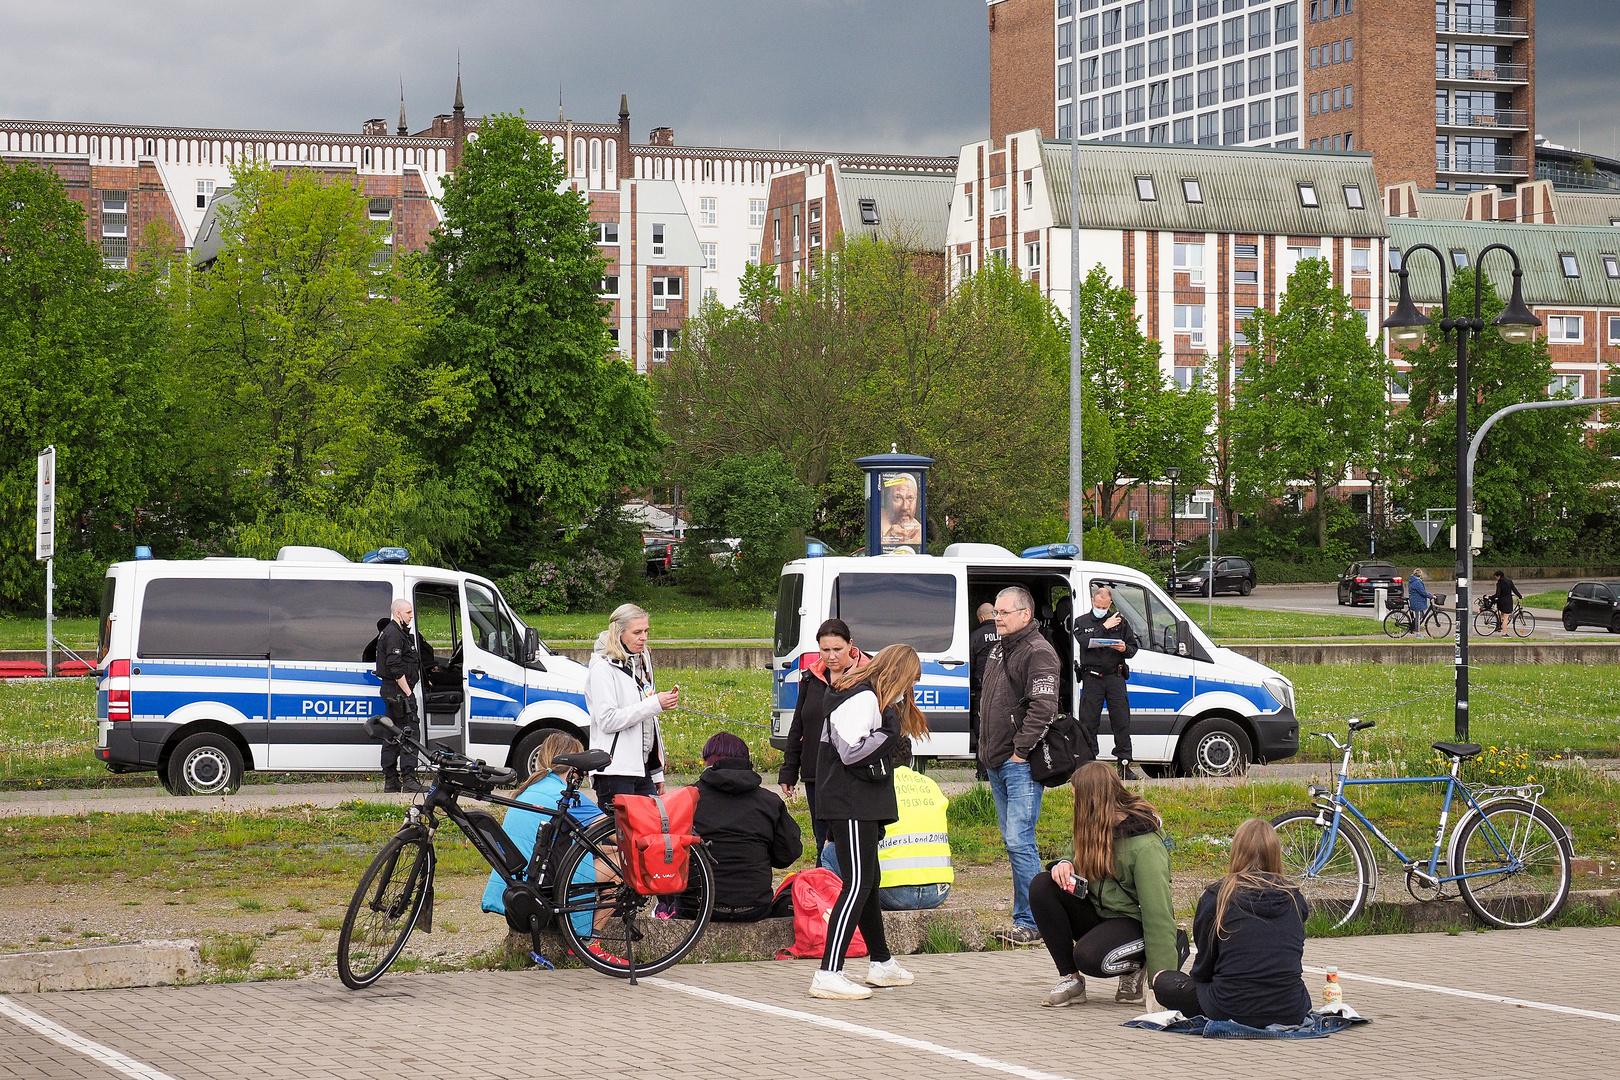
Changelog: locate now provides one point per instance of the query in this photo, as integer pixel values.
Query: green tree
(756, 500)
(1152, 424)
(1535, 472)
(559, 423)
(1311, 400)
(81, 368)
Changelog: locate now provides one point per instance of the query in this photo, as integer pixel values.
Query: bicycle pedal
(541, 961)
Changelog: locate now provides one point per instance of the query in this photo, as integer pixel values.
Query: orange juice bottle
(1332, 992)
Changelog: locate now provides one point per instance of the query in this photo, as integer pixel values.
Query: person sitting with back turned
(914, 856)
(748, 829)
(1250, 931)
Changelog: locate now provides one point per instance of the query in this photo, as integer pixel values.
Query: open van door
(493, 648)
(444, 675)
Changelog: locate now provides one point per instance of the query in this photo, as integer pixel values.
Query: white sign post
(45, 541)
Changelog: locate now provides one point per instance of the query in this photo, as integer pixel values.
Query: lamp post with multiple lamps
(1517, 325)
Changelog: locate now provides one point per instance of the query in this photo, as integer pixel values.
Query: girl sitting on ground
(1101, 912)
(1250, 930)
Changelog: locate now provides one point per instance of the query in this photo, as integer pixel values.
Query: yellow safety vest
(916, 850)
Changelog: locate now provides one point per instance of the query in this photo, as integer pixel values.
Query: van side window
(199, 617)
(491, 630)
(789, 599)
(1164, 626)
(325, 620)
(887, 609)
(1132, 602)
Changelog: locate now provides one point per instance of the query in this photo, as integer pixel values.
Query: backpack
(654, 835)
(814, 893)
(1063, 747)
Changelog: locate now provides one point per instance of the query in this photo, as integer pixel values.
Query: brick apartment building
(1369, 81)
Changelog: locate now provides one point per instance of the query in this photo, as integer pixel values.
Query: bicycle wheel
(1522, 853)
(1522, 622)
(385, 908)
(1485, 624)
(602, 918)
(1341, 887)
(1397, 624)
(1438, 624)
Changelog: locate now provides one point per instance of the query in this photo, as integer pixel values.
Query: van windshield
(789, 599)
(889, 609)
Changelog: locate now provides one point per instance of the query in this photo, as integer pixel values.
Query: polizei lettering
(337, 707)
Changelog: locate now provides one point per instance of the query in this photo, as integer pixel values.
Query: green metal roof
(1245, 191)
(913, 208)
(1538, 247)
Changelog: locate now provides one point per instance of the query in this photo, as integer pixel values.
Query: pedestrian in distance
(870, 708)
(1417, 598)
(1250, 932)
(799, 757)
(914, 859)
(624, 706)
(1020, 699)
(399, 666)
(1103, 671)
(1106, 912)
(748, 829)
(1505, 592)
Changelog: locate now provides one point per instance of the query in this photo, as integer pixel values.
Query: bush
(757, 500)
(563, 585)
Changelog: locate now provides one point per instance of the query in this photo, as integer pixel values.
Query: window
(1287, 113)
(1184, 133)
(1246, 251)
(1135, 20)
(1184, 12)
(1029, 193)
(1088, 33)
(1159, 102)
(1065, 81)
(1572, 269)
(1111, 110)
(1240, 315)
(1232, 37)
(664, 342)
(869, 210)
(1565, 328)
(115, 213)
(1246, 277)
(1459, 258)
(1349, 50)
(1191, 190)
(1313, 113)
(1349, 101)
(1259, 75)
(1183, 45)
(1187, 377)
(967, 203)
(1190, 321)
(1315, 4)
(1337, 50)
(1307, 195)
(1209, 43)
(1208, 8)
(607, 232)
(1352, 197)
(1358, 260)
(1065, 8)
(1567, 386)
(1209, 129)
(1189, 259)
(756, 213)
(658, 239)
(1111, 22)
(708, 255)
(1338, 98)
(1032, 255)
(1209, 87)
(1158, 16)
(1316, 57)
(1394, 259)
(815, 212)
(609, 286)
(1135, 63)
(1088, 116)
(1287, 23)
(1259, 120)
(999, 256)
(887, 609)
(706, 211)
(1144, 189)
(205, 191)
(1614, 331)
(998, 203)
(753, 254)
(1088, 75)
(1135, 107)
(1065, 40)
(1183, 93)
(1232, 81)
(1110, 68)
(663, 290)
(1259, 30)
(1611, 267)
(1159, 56)
(964, 266)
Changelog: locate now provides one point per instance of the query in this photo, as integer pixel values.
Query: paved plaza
(1531, 1003)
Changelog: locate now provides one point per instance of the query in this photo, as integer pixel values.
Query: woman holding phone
(624, 705)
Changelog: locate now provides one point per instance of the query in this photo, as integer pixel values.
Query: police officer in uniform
(1103, 674)
(980, 642)
(399, 666)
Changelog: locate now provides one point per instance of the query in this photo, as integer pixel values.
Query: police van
(207, 668)
(1195, 707)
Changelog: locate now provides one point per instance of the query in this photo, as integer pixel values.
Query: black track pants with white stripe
(857, 845)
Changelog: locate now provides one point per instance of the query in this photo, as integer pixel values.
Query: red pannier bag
(814, 893)
(654, 834)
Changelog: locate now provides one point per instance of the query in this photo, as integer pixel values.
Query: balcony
(1481, 165)
(1496, 74)
(1494, 119)
(1482, 25)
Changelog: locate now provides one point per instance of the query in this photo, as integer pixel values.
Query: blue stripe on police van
(301, 706)
(350, 677)
(162, 703)
(204, 669)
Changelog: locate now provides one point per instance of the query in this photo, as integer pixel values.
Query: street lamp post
(1174, 474)
(1373, 476)
(1406, 325)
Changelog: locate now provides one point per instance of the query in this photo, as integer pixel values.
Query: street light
(1406, 325)
(1373, 476)
(1174, 473)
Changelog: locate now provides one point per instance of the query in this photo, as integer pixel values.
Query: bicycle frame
(1454, 787)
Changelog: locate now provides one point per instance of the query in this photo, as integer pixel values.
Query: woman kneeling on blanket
(1250, 930)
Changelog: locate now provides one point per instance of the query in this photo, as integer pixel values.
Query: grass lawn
(668, 624)
(76, 634)
(1256, 624)
(1552, 601)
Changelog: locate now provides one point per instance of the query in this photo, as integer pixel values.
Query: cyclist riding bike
(1505, 592)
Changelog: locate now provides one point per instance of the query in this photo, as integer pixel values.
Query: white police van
(210, 667)
(1195, 707)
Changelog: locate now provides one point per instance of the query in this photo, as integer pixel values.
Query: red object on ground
(33, 669)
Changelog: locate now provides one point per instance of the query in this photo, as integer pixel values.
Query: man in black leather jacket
(399, 666)
(1103, 672)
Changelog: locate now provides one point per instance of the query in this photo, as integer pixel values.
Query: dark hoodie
(749, 831)
(809, 717)
(1251, 971)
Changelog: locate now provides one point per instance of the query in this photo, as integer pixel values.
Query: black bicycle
(572, 881)
(1435, 622)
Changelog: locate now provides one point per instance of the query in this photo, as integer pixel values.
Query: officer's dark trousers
(392, 758)
(1097, 690)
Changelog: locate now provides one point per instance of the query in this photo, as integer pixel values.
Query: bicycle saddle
(1461, 751)
(585, 761)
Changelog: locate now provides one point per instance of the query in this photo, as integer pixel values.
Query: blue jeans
(1018, 808)
(913, 897)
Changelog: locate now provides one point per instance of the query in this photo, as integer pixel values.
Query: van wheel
(1215, 747)
(205, 764)
(527, 758)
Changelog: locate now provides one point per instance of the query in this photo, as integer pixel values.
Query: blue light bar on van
(387, 555)
(815, 549)
(1050, 551)
(142, 551)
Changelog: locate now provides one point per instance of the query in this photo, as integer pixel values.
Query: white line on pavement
(1474, 995)
(857, 1029)
(51, 1030)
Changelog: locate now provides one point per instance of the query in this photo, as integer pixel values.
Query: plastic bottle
(1332, 992)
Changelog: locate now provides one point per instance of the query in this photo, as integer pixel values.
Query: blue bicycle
(1509, 857)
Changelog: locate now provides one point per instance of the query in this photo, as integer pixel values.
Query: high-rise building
(1189, 72)
(1368, 84)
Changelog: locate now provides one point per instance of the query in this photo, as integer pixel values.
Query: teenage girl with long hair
(869, 709)
(1107, 912)
(1250, 930)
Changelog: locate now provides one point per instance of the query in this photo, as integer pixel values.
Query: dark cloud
(1577, 85)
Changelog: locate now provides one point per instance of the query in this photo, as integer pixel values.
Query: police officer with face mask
(399, 666)
(1103, 673)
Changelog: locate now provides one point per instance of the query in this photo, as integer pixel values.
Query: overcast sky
(837, 75)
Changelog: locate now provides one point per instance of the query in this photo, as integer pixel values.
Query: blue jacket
(1419, 595)
(523, 826)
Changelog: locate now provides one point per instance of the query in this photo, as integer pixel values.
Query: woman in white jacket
(624, 706)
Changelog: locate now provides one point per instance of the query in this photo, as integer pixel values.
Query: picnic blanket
(1318, 1025)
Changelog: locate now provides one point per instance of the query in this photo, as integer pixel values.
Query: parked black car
(1593, 603)
(660, 555)
(1206, 576)
(1357, 584)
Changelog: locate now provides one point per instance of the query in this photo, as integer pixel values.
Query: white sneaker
(888, 973)
(836, 986)
(1070, 990)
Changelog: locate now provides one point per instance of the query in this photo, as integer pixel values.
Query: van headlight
(1282, 690)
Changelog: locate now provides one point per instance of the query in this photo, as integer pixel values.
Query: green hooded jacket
(1140, 890)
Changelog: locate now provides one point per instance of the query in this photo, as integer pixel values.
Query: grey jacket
(1020, 695)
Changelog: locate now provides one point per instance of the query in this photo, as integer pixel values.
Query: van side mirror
(1183, 635)
(531, 644)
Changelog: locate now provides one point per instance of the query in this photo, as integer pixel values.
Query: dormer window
(1352, 197)
(1307, 196)
(1144, 189)
(1191, 190)
(869, 212)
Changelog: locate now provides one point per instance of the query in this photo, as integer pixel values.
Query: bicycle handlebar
(444, 761)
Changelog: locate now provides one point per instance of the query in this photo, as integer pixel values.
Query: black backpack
(1063, 747)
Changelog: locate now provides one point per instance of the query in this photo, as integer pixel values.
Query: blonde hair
(1101, 804)
(556, 745)
(1417, 572)
(610, 642)
(892, 673)
(1256, 864)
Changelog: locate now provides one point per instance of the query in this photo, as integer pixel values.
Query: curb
(101, 967)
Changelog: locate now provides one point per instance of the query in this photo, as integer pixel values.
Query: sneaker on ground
(888, 973)
(1070, 990)
(1131, 988)
(1018, 935)
(836, 986)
